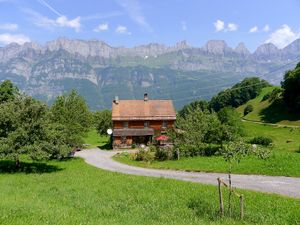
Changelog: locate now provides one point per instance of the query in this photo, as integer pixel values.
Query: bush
(261, 140)
(165, 153)
(248, 109)
(144, 155)
(133, 146)
(275, 95)
(266, 96)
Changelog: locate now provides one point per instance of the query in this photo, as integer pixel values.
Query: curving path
(288, 186)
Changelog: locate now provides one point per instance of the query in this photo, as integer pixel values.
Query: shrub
(248, 109)
(144, 155)
(275, 95)
(261, 140)
(266, 96)
(133, 146)
(152, 148)
(165, 153)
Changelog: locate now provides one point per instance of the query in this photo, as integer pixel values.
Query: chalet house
(138, 121)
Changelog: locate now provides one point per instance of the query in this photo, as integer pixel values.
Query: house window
(146, 124)
(125, 124)
(123, 140)
(164, 124)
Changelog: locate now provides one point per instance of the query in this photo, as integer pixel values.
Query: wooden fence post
(242, 206)
(220, 198)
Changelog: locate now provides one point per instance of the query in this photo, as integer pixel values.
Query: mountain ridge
(99, 71)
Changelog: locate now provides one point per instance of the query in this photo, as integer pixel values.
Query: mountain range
(99, 71)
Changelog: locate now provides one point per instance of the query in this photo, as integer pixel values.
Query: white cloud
(101, 27)
(183, 25)
(9, 26)
(232, 27)
(219, 25)
(283, 36)
(61, 21)
(122, 30)
(134, 10)
(266, 28)
(7, 38)
(253, 29)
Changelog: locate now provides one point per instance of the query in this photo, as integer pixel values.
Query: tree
(248, 109)
(25, 129)
(102, 121)
(197, 131)
(196, 105)
(232, 127)
(239, 94)
(233, 153)
(8, 91)
(72, 111)
(291, 88)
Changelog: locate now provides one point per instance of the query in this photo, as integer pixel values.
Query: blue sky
(134, 22)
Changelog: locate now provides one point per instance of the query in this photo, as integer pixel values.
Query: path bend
(288, 186)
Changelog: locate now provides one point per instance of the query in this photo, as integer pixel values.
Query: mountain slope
(99, 71)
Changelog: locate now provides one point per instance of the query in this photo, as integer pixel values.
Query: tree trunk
(18, 164)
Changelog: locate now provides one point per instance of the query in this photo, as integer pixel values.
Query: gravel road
(288, 186)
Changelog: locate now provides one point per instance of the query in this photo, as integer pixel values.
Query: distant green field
(93, 139)
(264, 111)
(72, 192)
(284, 160)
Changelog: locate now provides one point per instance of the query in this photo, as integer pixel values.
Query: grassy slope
(264, 111)
(93, 140)
(80, 194)
(284, 160)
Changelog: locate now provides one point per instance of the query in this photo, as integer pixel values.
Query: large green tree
(25, 129)
(232, 127)
(8, 91)
(102, 121)
(72, 111)
(291, 88)
(196, 131)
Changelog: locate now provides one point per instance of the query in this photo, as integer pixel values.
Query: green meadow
(72, 192)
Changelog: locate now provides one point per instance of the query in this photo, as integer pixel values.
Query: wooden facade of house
(138, 121)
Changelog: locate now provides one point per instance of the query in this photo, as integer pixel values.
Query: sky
(135, 22)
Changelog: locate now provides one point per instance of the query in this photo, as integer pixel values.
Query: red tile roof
(143, 110)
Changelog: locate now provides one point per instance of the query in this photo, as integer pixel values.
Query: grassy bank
(284, 160)
(92, 139)
(265, 111)
(72, 192)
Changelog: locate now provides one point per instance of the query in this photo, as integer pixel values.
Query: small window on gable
(146, 124)
(164, 124)
(125, 124)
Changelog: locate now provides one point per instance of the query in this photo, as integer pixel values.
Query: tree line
(32, 130)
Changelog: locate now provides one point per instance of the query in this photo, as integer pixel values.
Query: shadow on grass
(277, 112)
(7, 166)
(106, 146)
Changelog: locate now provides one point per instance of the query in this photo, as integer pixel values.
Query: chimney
(116, 101)
(145, 97)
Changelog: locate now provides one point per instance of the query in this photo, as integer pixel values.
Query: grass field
(284, 160)
(72, 192)
(264, 111)
(93, 139)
